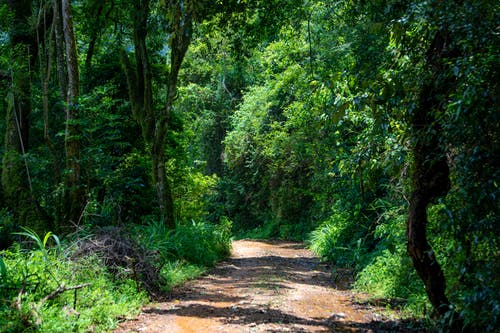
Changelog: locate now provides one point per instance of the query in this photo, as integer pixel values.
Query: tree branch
(62, 288)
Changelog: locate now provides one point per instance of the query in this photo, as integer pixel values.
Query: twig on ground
(62, 288)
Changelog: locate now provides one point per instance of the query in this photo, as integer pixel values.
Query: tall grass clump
(187, 251)
(202, 243)
(337, 241)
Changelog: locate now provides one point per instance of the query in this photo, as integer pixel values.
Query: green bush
(42, 290)
(338, 240)
(202, 243)
(177, 272)
(390, 275)
(192, 195)
(186, 251)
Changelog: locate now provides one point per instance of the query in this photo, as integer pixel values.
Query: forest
(140, 137)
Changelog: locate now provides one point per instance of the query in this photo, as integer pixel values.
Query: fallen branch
(62, 288)
(17, 303)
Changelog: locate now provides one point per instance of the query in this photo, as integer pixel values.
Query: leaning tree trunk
(430, 174)
(74, 196)
(431, 181)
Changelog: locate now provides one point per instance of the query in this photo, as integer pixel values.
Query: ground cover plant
(99, 279)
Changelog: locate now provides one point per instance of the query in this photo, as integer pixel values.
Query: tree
(154, 123)
(16, 180)
(430, 174)
(74, 194)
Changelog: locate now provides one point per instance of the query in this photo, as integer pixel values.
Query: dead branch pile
(122, 256)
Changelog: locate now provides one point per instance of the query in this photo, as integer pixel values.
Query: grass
(178, 272)
(43, 288)
(37, 296)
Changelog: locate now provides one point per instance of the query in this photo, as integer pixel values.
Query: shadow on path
(268, 286)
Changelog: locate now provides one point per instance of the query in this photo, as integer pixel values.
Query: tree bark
(182, 27)
(16, 182)
(162, 185)
(45, 55)
(74, 195)
(60, 52)
(430, 176)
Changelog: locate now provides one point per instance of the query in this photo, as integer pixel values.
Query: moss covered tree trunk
(154, 123)
(16, 182)
(74, 198)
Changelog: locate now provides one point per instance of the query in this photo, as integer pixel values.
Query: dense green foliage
(322, 141)
(295, 119)
(29, 278)
(59, 287)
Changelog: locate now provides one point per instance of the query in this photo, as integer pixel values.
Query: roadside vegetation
(94, 279)
(138, 136)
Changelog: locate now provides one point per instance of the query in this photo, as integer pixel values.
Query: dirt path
(264, 287)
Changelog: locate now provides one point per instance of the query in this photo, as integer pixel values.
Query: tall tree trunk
(16, 182)
(45, 55)
(430, 174)
(94, 35)
(74, 195)
(62, 80)
(182, 32)
(154, 124)
(162, 185)
(60, 52)
(45, 40)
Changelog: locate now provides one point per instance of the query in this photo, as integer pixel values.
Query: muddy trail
(266, 286)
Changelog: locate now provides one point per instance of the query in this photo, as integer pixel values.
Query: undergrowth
(42, 290)
(90, 283)
(378, 256)
(374, 247)
(275, 230)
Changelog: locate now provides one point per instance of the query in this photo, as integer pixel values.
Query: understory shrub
(338, 240)
(382, 265)
(391, 275)
(42, 290)
(198, 243)
(202, 243)
(103, 275)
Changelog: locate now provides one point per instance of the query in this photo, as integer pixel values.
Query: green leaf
(30, 233)
(46, 238)
(58, 242)
(3, 269)
(341, 111)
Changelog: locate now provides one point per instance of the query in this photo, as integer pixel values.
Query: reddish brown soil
(264, 287)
